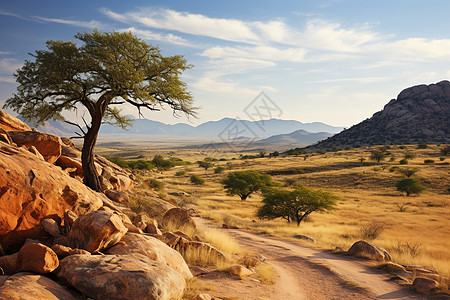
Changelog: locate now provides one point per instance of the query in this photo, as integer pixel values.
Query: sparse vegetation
(204, 164)
(219, 170)
(408, 172)
(197, 180)
(155, 184)
(428, 161)
(377, 155)
(410, 186)
(445, 150)
(371, 231)
(244, 183)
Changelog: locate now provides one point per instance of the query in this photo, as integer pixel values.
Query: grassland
(415, 229)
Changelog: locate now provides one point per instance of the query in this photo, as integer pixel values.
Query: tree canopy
(244, 183)
(106, 70)
(294, 205)
(410, 185)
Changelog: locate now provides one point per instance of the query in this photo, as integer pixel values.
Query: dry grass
(222, 241)
(265, 273)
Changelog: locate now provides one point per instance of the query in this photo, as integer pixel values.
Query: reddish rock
(152, 228)
(368, 250)
(37, 258)
(239, 271)
(96, 231)
(10, 123)
(425, 285)
(51, 227)
(72, 164)
(131, 277)
(4, 137)
(178, 218)
(117, 196)
(35, 151)
(47, 145)
(141, 221)
(154, 249)
(124, 182)
(203, 296)
(31, 190)
(27, 286)
(69, 219)
(8, 263)
(63, 251)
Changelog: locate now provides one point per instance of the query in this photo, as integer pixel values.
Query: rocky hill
(420, 114)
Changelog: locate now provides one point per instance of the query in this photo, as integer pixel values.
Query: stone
(4, 137)
(131, 277)
(69, 219)
(202, 296)
(35, 151)
(117, 196)
(152, 248)
(200, 248)
(425, 285)
(49, 146)
(239, 271)
(96, 231)
(73, 164)
(124, 182)
(27, 286)
(8, 263)
(141, 221)
(152, 228)
(395, 267)
(304, 237)
(31, 190)
(63, 251)
(10, 123)
(368, 250)
(51, 226)
(37, 258)
(177, 218)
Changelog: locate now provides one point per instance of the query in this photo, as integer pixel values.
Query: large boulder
(133, 243)
(121, 277)
(8, 263)
(31, 190)
(10, 123)
(178, 218)
(96, 231)
(64, 251)
(27, 286)
(37, 258)
(368, 250)
(425, 285)
(49, 146)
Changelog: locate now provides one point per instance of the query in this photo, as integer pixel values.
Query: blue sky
(333, 61)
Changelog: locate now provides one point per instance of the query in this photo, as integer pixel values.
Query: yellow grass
(222, 241)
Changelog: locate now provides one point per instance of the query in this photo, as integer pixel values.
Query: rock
(70, 151)
(8, 263)
(30, 191)
(304, 237)
(152, 228)
(121, 277)
(425, 285)
(49, 146)
(395, 267)
(37, 258)
(27, 286)
(177, 218)
(96, 231)
(199, 249)
(4, 137)
(51, 226)
(124, 182)
(10, 123)
(152, 248)
(74, 165)
(239, 271)
(249, 262)
(63, 251)
(141, 221)
(117, 196)
(69, 219)
(202, 296)
(35, 151)
(368, 250)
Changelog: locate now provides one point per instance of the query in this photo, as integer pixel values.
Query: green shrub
(161, 163)
(429, 161)
(410, 186)
(409, 155)
(197, 180)
(141, 164)
(118, 161)
(403, 161)
(180, 173)
(441, 158)
(219, 170)
(155, 184)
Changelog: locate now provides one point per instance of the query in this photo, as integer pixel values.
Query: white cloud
(153, 36)
(356, 79)
(417, 49)
(7, 13)
(211, 82)
(9, 65)
(90, 24)
(7, 79)
(4, 53)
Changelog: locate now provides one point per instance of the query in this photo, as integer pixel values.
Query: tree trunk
(90, 176)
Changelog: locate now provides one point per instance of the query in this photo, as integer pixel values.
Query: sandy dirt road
(308, 273)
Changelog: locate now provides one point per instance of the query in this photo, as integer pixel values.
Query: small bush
(141, 164)
(392, 158)
(409, 155)
(441, 158)
(118, 161)
(408, 172)
(422, 146)
(402, 147)
(197, 180)
(180, 173)
(410, 186)
(429, 161)
(371, 231)
(155, 184)
(403, 161)
(161, 163)
(219, 170)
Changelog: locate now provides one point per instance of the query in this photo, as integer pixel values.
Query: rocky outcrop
(420, 114)
(49, 146)
(31, 190)
(368, 250)
(37, 258)
(28, 286)
(131, 277)
(425, 285)
(152, 248)
(10, 123)
(178, 218)
(96, 231)
(64, 251)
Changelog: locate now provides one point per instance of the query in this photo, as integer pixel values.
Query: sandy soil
(305, 273)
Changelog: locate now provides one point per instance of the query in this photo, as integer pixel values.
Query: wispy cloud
(213, 83)
(11, 14)
(4, 53)
(257, 52)
(154, 36)
(88, 24)
(7, 79)
(356, 79)
(9, 65)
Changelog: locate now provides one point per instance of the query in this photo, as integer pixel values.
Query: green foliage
(219, 170)
(410, 186)
(244, 183)
(408, 172)
(404, 161)
(204, 164)
(409, 155)
(180, 173)
(118, 161)
(441, 158)
(155, 184)
(161, 163)
(139, 164)
(377, 155)
(429, 161)
(197, 180)
(294, 205)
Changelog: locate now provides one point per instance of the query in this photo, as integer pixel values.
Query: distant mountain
(420, 114)
(298, 138)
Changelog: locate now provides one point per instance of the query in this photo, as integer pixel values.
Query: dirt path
(308, 273)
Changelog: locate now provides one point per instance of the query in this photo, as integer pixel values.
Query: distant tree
(161, 163)
(410, 186)
(204, 164)
(262, 153)
(294, 205)
(197, 180)
(106, 70)
(219, 169)
(422, 146)
(408, 172)
(409, 155)
(377, 155)
(244, 183)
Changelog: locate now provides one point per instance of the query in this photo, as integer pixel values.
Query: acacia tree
(106, 70)
(294, 205)
(244, 183)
